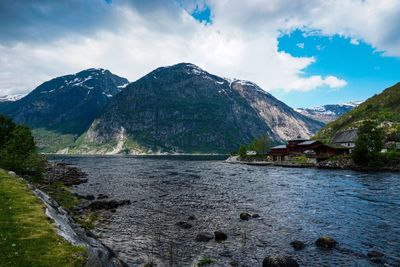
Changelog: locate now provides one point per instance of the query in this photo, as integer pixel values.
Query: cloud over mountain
(39, 40)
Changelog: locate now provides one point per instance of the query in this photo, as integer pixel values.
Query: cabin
(314, 150)
(279, 153)
(346, 138)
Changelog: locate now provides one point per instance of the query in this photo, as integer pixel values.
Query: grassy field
(27, 237)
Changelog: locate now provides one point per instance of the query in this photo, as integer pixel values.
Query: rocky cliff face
(284, 122)
(67, 104)
(185, 109)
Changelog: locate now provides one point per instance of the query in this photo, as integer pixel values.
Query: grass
(61, 194)
(205, 262)
(88, 220)
(27, 237)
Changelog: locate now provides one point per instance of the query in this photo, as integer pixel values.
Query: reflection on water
(361, 211)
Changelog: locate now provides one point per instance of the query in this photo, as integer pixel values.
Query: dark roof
(298, 139)
(308, 142)
(279, 147)
(345, 136)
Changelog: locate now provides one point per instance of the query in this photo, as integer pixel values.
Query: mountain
(5, 100)
(383, 108)
(185, 109)
(11, 98)
(67, 105)
(328, 113)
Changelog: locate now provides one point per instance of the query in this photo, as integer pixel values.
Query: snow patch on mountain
(11, 98)
(330, 112)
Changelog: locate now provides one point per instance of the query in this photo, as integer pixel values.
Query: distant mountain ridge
(185, 109)
(330, 112)
(175, 109)
(67, 104)
(382, 108)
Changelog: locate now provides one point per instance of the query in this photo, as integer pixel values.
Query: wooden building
(311, 148)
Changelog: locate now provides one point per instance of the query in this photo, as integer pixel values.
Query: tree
(368, 145)
(242, 151)
(6, 127)
(18, 150)
(261, 145)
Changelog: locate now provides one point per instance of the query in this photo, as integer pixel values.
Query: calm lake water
(361, 211)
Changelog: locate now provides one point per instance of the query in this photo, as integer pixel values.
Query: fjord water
(360, 210)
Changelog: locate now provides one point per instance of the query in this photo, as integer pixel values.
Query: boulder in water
(279, 261)
(245, 216)
(220, 236)
(297, 245)
(204, 237)
(326, 242)
(374, 254)
(184, 225)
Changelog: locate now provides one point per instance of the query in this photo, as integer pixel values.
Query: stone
(376, 260)
(12, 174)
(204, 237)
(297, 245)
(245, 216)
(326, 242)
(255, 216)
(375, 254)
(234, 263)
(220, 236)
(279, 261)
(191, 218)
(107, 205)
(184, 225)
(225, 253)
(101, 196)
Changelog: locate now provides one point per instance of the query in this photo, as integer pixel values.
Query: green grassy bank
(27, 237)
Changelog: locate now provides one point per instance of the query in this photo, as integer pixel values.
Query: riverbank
(27, 237)
(260, 162)
(336, 164)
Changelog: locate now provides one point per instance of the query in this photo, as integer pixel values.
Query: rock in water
(373, 254)
(184, 225)
(297, 245)
(204, 237)
(220, 236)
(279, 261)
(245, 216)
(326, 242)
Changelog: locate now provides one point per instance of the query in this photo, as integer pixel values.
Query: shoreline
(67, 224)
(98, 253)
(322, 165)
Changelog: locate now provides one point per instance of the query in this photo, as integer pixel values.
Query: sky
(304, 52)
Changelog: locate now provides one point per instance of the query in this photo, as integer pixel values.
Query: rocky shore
(69, 222)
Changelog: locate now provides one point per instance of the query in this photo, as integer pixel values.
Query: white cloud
(354, 41)
(241, 42)
(300, 45)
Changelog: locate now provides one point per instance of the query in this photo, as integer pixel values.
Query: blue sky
(339, 55)
(365, 70)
